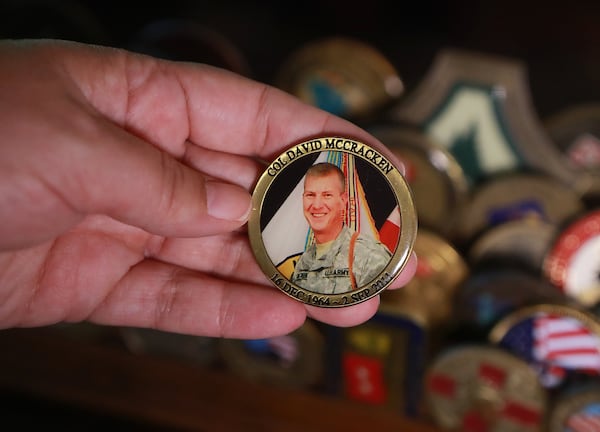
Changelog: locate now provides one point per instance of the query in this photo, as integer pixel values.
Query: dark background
(558, 41)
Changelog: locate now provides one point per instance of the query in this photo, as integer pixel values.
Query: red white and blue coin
(556, 340)
(573, 263)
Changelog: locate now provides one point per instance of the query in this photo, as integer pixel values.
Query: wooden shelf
(167, 392)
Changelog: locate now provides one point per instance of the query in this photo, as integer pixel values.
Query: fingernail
(228, 202)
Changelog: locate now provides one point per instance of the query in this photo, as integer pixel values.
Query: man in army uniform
(340, 259)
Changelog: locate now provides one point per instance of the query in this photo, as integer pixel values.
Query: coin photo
(333, 222)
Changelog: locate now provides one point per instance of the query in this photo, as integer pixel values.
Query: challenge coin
(341, 75)
(556, 340)
(516, 196)
(380, 362)
(436, 179)
(427, 298)
(333, 222)
(573, 263)
(473, 388)
(576, 409)
(523, 243)
(489, 294)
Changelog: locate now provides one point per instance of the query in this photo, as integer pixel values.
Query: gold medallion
(344, 76)
(427, 298)
(483, 388)
(520, 242)
(437, 180)
(576, 408)
(333, 222)
(516, 196)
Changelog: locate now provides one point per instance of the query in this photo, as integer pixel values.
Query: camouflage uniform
(329, 274)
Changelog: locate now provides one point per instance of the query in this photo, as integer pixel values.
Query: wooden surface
(167, 392)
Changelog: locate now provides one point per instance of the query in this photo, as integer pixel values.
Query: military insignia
(333, 222)
(573, 262)
(478, 107)
(521, 243)
(516, 196)
(558, 341)
(436, 179)
(576, 409)
(378, 363)
(343, 76)
(483, 388)
(293, 361)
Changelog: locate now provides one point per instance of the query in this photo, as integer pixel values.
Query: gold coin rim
(404, 248)
(502, 327)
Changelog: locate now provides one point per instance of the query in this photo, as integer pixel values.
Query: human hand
(124, 192)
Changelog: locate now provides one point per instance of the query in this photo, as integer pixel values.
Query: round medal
(556, 340)
(333, 222)
(516, 196)
(576, 409)
(573, 263)
(522, 242)
(343, 76)
(427, 298)
(475, 388)
(436, 179)
(489, 294)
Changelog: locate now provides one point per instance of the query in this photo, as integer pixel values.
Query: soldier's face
(324, 203)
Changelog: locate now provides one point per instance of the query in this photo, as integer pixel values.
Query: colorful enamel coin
(476, 388)
(478, 107)
(344, 76)
(333, 222)
(573, 263)
(558, 341)
(576, 409)
(427, 298)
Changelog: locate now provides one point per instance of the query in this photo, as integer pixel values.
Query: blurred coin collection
(499, 329)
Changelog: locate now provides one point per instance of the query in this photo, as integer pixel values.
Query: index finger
(252, 118)
(172, 103)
